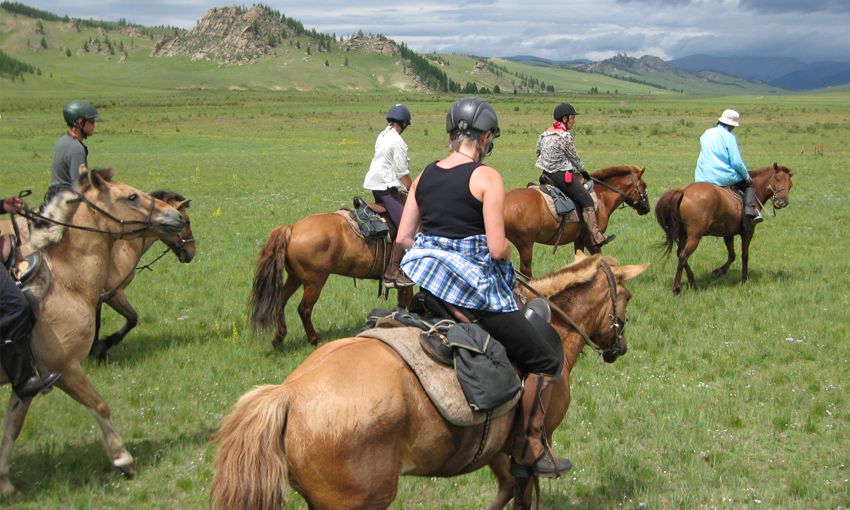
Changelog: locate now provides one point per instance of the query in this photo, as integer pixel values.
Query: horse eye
(133, 197)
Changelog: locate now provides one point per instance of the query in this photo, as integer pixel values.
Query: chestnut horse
(353, 417)
(528, 220)
(99, 211)
(122, 271)
(308, 252)
(700, 209)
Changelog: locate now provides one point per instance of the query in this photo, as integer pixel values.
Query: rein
(773, 194)
(618, 325)
(630, 200)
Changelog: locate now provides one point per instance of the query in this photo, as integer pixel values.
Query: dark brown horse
(308, 252)
(701, 209)
(353, 417)
(528, 220)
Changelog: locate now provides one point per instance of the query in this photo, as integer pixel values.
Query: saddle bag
(563, 205)
(371, 223)
(486, 376)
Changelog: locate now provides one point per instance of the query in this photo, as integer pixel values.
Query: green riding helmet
(77, 109)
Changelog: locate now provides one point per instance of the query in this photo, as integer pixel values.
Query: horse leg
(16, 413)
(312, 291)
(523, 492)
(289, 287)
(75, 383)
(687, 245)
(526, 253)
(120, 304)
(746, 237)
(501, 468)
(730, 250)
(405, 296)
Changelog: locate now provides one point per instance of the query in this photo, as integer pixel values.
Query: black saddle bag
(486, 376)
(371, 223)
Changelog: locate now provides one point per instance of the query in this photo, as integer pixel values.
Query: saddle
(560, 206)
(23, 268)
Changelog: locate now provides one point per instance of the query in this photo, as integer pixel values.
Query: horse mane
(567, 277)
(167, 196)
(614, 171)
(44, 232)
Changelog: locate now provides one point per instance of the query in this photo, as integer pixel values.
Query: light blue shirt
(720, 160)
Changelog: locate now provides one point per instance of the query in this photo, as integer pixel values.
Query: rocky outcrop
(480, 68)
(227, 36)
(376, 44)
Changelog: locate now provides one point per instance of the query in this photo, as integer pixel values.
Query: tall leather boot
(752, 216)
(16, 360)
(394, 277)
(599, 239)
(531, 457)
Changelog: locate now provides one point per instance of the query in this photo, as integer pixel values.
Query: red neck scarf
(558, 126)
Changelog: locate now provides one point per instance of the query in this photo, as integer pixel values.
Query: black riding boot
(17, 362)
(752, 216)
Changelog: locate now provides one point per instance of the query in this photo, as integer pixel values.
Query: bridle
(630, 200)
(773, 193)
(618, 324)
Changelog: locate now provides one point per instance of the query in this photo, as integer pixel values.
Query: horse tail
(265, 302)
(250, 466)
(668, 216)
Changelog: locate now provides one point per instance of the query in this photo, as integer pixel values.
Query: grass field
(731, 397)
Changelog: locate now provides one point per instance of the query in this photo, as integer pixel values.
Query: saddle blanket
(572, 216)
(348, 214)
(439, 381)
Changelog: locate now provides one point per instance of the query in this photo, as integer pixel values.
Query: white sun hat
(730, 118)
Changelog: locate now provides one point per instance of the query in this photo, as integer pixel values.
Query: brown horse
(700, 209)
(99, 211)
(308, 252)
(353, 417)
(528, 220)
(122, 271)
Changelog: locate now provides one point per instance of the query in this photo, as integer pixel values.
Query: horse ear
(183, 205)
(775, 166)
(642, 170)
(626, 273)
(83, 181)
(99, 178)
(580, 255)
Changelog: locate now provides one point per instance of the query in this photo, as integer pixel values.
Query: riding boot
(752, 216)
(16, 360)
(394, 277)
(531, 455)
(599, 239)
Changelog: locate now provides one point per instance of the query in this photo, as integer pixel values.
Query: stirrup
(605, 241)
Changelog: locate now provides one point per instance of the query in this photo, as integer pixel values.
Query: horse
(699, 209)
(353, 416)
(76, 243)
(528, 220)
(122, 271)
(309, 251)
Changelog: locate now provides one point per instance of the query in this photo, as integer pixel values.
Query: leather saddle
(22, 269)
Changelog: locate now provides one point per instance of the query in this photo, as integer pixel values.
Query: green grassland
(713, 406)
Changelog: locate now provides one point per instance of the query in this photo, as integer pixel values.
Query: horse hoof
(717, 273)
(126, 465)
(98, 350)
(677, 291)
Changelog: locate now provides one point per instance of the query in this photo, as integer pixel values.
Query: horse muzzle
(642, 208)
(170, 223)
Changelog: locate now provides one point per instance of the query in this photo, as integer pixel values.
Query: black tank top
(447, 207)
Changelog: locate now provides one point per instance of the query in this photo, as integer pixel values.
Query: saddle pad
(348, 214)
(571, 217)
(440, 382)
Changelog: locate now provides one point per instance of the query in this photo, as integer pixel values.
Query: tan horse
(702, 209)
(79, 260)
(353, 417)
(122, 271)
(528, 220)
(308, 252)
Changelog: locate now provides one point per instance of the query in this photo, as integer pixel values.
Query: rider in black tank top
(447, 206)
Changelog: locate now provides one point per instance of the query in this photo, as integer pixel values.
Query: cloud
(794, 6)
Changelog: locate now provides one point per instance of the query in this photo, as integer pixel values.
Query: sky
(807, 30)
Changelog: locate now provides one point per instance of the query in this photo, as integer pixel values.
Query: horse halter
(773, 193)
(630, 200)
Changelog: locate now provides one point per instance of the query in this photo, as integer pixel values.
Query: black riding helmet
(564, 109)
(399, 114)
(472, 116)
(78, 109)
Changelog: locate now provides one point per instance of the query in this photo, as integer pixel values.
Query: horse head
(627, 180)
(638, 192)
(125, 211)
(593, 290)
(183, 244)
(780, 185)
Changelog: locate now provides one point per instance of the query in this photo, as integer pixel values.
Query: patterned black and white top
(556, 152)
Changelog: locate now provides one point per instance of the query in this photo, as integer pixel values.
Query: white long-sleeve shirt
(390, 163)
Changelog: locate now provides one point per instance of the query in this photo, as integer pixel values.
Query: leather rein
(618, 325)
(630, 200)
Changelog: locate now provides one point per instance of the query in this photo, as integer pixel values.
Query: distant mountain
(765, 69)
(815, 76)
(782, 72)
(529, 59)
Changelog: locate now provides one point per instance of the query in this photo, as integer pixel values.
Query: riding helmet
(399, 114)
(564, 109)
(76, 109)
(472, 113)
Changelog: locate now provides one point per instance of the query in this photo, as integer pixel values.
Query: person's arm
(75, 160)
(487, 183)
(410, 219)
(12, 205)
(569, 147)
(401, 164)
(735, 159)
